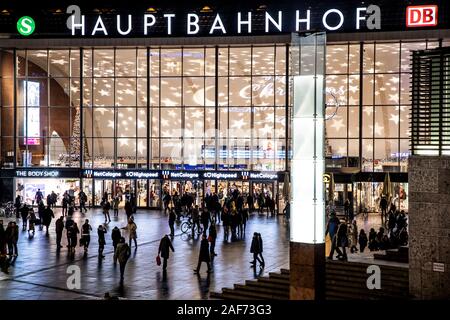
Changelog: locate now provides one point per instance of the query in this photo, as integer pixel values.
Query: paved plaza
(39, 272)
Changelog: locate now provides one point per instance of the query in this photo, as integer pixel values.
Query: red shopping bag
(158, 260)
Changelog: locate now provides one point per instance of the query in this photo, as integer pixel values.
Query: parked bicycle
(7, 209)
(186, 227)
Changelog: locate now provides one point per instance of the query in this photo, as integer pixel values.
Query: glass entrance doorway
(122, 188)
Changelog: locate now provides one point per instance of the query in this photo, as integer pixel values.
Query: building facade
(200, 101)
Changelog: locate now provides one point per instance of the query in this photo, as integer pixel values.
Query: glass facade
(156, 108)
(368, 105)
(199, 107)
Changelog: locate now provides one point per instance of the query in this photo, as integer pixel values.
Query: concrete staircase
(397, 255)
(273, 287)
(344, 281)
(347, 280)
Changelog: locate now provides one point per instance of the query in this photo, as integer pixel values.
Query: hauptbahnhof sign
(223, 18)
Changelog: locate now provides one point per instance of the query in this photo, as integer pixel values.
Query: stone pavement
(40, 273)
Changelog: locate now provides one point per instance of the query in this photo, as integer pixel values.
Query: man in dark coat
(115, 237)
(59, 227)
(172, 218)
(340, 240)
(69, 223)
(12, 236)
(24, 214)
(47, 216)
(164, 251)
(101, 231)
(204, 255)
(255, 249)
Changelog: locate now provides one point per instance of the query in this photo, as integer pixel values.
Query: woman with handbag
(132, 232)
(164, 251)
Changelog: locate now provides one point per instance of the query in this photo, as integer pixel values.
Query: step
(280, 294)
(274, 280)
(345, 274)
(386, 288)
(363, 295)
(285, 271)
(276, 275)
(248, 294)
(235, 296)
(253, 283)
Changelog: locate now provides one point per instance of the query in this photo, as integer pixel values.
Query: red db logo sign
(422, 16)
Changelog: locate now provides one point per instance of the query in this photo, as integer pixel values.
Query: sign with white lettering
(229, 18)
(438, 267)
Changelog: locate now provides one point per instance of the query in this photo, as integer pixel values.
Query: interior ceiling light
(262, 7)
(206, 9)
(151, 9)
(5, 12)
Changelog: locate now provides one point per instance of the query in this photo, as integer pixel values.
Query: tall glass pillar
(308, 161)
(307, 232)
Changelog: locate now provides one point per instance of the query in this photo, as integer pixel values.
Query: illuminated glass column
(307, 229)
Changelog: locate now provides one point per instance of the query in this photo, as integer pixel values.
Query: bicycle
(188, 225)
(7, 209)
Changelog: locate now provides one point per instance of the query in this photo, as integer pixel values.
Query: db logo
(422, 16)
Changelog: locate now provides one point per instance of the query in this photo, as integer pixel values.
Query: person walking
(31, 221)
(106, 208)
(128, 209)
(83, 199)
(122, 254)
(261, 249)
(86, 235)
(132, 227)
(41, 208)
(73, 232)
(101, 231)
(354, 237)
(65, 203)
(2, 239)
(165, 245)
(203, 255)
(347, 209)
(47, 216)
(172, 218)
(255, 249)
(24, 212)
(212, 236)
(68, 225)
(362, 239)
(195, 220)
(59, 227)
(383, 207)
(225, 223)
(115, 237)
(205, 218)
(12, 236)
(18, 204)
(340, 242)
(54, 199)
(116, 202)
(332, 226)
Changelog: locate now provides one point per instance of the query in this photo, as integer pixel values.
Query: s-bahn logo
(26, 26)
(422, 16)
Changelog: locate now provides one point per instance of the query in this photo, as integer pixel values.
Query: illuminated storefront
(206, 90)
